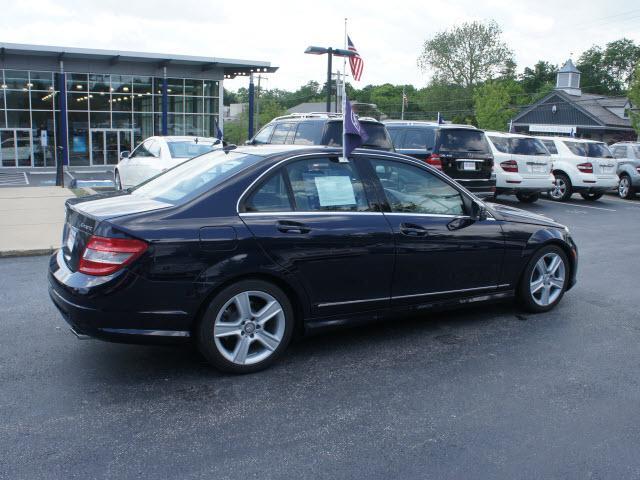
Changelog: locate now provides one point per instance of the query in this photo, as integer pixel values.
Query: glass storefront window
(41, 81)
(43, 143)
(193, 104)
(211, 105)
(193, 125)
(100, 120)
(142, 102)
(77, 101)
(18, 119)
(175, 86)
(142, 85)
(100, 102)
(121, 84)
(120, 103)
(77, 82)
(17, 99)
(16, 79)
(99, 83)
(78, 123)
(142, 126)
(42, 100)
(175, 124)
(211, 88)
(121, 120)
(193, 87)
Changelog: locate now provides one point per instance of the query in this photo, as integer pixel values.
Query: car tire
(118, 181)
(544, 283)
(625, 190)
(234, 338)
(527, 198)
(563, 189)
(592, 197)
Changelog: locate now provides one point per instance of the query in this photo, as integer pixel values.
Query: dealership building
(85, 106)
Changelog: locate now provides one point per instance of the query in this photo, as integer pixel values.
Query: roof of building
(232, 67)
(568, 67)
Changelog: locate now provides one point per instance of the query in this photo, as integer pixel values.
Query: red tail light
(585, 167)
(104, 256)
(638, 169)
(434, 161)
(509, 166)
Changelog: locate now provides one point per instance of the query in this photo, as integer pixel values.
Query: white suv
(580, 166)
(522, 165)
(157, 154)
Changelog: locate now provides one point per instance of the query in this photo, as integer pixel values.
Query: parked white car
(580, 166)
(157, 154)
(522, 165)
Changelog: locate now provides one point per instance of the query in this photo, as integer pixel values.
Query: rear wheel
(591, 196)
(562, 189)
(527, 198)
(246, 327)
(544, 280)
(625, 190)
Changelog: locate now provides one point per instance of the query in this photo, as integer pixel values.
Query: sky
(388, 34)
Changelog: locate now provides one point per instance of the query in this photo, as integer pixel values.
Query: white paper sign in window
(335, 190)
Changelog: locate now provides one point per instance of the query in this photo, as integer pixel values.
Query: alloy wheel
(249, 327)
(623, 187)
(547, 279)
(559, 189)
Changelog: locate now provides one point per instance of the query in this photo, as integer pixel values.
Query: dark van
(460, 151)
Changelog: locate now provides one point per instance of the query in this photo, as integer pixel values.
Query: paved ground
(484, 393)
(31, 218)
(83, 177)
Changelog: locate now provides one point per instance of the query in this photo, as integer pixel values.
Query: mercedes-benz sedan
(239, 249)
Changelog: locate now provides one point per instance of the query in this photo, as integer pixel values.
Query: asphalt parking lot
(489, 392)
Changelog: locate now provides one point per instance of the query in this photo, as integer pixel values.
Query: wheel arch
(295, 295)
(545, 238)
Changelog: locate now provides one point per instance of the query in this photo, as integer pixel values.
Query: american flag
(356, 61)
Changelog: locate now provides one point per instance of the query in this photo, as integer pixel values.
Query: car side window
(551, 146)
(263, 135)
(620, 152)
(636, 151)
(142, 151)
(271, 196)
(308, 133)
(501, 143)
(280, 133)
(415, 139)
(411, 189)
(323, 184)
(154, 149)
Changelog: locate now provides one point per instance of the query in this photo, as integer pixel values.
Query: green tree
(634, 98)
(609, 70)
(540, 79)
(467, 54)
(496, 103)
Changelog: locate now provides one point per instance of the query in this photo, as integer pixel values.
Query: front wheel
(591, 196)
(562, 190)
(544, 280)
(246, 327)
(625, 190)
(527, 198)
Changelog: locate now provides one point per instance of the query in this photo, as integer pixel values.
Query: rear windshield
(550, 146)
(598, 150)
(189, 148)
(463, 140)
(378, 136)
(576, 148)
(194, 177)
(416, 139)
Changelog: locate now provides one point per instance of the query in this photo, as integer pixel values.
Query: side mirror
(124, 154)
(478, 211)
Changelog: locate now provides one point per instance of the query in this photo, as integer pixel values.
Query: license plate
(71, 239)
(538, 169)
(606, 169)
(468, 165)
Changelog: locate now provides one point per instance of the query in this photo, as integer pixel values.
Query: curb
(27, 253)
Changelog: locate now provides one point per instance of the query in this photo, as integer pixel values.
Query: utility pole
(403, 97)
(259, 77)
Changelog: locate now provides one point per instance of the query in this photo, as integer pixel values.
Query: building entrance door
(16, 147)
(107, 143)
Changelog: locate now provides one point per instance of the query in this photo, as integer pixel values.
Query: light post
(338, 52)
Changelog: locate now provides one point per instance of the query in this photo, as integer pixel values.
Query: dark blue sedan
(240, 249)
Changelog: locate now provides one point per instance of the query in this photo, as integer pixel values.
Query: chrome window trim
(321, 212)
(442, 292)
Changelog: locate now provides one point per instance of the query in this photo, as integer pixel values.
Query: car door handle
(413, 230)
(287, 226)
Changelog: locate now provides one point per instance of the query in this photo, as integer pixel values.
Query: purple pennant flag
(353, 135)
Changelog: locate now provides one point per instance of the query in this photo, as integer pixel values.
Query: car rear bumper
(479, 187)
(106, 310)
(514, 182)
